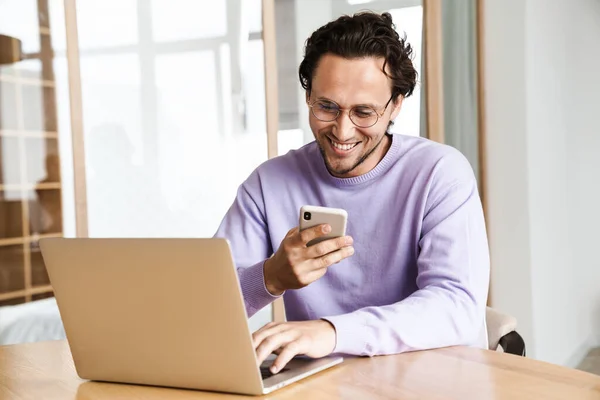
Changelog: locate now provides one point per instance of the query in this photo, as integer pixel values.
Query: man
(413, 271)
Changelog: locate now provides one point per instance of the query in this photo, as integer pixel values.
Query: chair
(502, 334)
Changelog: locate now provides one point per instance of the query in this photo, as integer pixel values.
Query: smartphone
(313, 215)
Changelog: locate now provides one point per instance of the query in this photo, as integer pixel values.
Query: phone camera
(307, 216)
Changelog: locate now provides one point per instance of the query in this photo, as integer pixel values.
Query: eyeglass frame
(340, 109)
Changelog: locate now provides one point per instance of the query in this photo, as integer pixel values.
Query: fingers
(329, 246)
(291, 350)
(292, 232)
(273, 342)
(312, 233)
(333, 258)
(269, 329)
(312, 338)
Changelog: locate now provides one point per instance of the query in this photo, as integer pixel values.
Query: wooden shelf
(47, 186)
(28, 187)
(33, 119)
(29, 239)
(35, 238)
(29, 134)
(27, 81)
(26, 292)
(11, 241)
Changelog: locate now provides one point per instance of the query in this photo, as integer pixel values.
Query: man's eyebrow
(374, 106)
(321, 98)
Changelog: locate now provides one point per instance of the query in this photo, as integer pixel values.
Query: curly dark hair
(365, 34)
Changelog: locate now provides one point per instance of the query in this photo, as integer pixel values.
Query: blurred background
(140, 118)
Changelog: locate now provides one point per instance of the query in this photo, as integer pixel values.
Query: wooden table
(45, 371)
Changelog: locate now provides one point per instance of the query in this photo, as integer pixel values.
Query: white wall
(506, 194)
(557, 333)
(583, 150)
(542, 136)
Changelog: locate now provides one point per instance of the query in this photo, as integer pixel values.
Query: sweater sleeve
(452, 279)
(245, 227)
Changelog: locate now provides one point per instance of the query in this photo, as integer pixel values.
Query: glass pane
(10, 160)
(11, 209)
(253, 10)
(12, 273)
(189, 19)
(56, 14)
(39, 108)
(58, 65)
(107, 23)
(45, 212)
(168, 142)
(39, 275)
(20, 19)
(8, 106)
(115, 70)
(255, 87)
(114, 145)
(289, 139)
(43, 165)
(409, 22)
(186, 86)
(32, 105)
(6, 71)
(29, 69)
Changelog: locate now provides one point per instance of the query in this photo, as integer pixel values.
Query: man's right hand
(296, 265)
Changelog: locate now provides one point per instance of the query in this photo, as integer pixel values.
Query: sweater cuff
(350, 334)
(256, 295)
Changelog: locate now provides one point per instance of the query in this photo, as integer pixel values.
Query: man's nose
(345, 127)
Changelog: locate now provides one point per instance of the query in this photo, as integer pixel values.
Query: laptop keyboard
(266, 372)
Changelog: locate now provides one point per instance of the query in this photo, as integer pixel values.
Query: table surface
(45, 371)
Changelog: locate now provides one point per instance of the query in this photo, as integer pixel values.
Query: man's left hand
(287, 339)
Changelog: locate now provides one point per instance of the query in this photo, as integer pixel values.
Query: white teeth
(343, 146)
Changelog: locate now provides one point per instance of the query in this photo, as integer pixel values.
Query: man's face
(349, 150)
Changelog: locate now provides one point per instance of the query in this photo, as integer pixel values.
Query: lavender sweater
(419, 275)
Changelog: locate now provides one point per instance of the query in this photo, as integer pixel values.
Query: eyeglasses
(361, 116)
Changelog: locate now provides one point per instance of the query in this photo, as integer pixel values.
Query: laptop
(161, 312)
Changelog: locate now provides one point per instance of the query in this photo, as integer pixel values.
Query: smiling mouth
(342, 147)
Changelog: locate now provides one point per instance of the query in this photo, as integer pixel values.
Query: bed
(35, 321)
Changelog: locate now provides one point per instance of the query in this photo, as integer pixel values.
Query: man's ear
(307, 93)
(397, 106)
